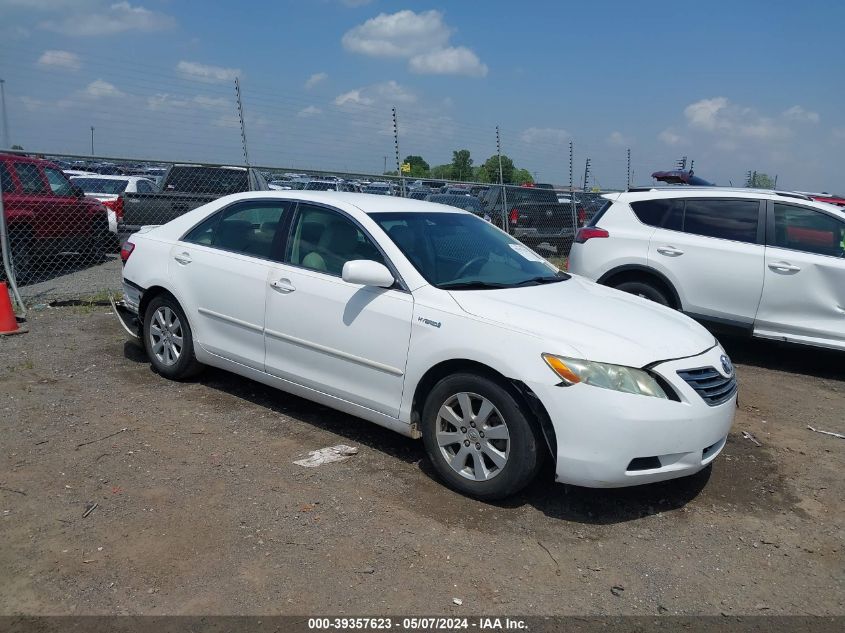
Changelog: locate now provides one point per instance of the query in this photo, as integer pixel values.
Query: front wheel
(168, 339)
(480, 439)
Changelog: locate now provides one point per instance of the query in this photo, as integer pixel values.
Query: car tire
(505, 438)
(168, 339)
(21, 251)
(645, 290)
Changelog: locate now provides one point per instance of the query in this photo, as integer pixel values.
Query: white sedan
(110, 189)
(432, 322)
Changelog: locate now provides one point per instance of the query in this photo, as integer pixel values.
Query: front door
(343, 339)
(804, 291)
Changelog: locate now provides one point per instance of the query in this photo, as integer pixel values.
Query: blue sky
(735, 86)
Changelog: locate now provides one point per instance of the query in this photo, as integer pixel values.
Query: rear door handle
(183, 258)
(669, 251)
(283, 285)
(784, 267)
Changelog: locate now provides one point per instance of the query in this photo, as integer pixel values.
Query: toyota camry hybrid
(430, 321)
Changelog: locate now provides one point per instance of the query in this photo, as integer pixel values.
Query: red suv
(46, 215)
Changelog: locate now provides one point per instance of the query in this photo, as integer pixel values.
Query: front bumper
(609, 439)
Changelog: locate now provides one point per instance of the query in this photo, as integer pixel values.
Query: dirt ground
(200, 509)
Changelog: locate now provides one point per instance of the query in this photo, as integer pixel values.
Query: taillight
(589, 232)
(126, 251)
(514, 216)
(582, 216)
(116, 205)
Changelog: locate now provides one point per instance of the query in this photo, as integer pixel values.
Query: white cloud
(117, 18)
(545, 135)
(60, 59)
(448, 61)
(206, 73)
(801, 115)
(98, 89)
(314, 79)
(309, 112)
(422, 38)
(400, 34)
(163, 101)
(618, 139)
(670, 137)
(838, 133)
(388, 93)
(213, 102)
(719, 115)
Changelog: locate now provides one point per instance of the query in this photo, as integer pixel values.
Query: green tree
(461, 164)
(18, 147)
(759, 180)
(419, 168)
(490, 169)
(442, 171)
(522, 175)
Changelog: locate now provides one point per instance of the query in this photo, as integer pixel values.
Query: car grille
(712, 386)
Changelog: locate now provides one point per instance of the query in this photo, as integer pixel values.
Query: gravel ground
(72, 281)
(200, 509)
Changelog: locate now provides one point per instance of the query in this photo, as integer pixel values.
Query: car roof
(365, 202)
(722, 192)
(108, 177)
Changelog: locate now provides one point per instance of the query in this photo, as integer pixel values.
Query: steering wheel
(475, 260)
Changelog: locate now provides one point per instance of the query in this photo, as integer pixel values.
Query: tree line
(463, 168)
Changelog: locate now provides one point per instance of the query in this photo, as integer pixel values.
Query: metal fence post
(6, 248)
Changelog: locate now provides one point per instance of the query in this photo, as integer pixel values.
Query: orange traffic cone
(8, 322)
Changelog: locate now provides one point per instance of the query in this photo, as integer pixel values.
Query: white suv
(771, 263)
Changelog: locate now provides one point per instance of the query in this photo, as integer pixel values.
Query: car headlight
(615, 377)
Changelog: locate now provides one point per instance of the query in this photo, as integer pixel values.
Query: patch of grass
(560, 262)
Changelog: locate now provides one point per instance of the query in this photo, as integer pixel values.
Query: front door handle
(183, 258)
(784, 267)
(669, 251)
(283, 285)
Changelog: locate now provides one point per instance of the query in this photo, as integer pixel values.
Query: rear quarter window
(664, 213)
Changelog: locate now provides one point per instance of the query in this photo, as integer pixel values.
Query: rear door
(220, 271)
(712, 251)
(804, 291)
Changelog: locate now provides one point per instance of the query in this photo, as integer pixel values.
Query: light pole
(92, 140)
(6, 141)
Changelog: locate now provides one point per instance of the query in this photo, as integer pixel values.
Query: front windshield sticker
(527, 253)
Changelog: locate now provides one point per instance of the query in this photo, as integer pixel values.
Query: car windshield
(460, 251)
(101, 185)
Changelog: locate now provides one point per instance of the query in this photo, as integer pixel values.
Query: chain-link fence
(65, 218)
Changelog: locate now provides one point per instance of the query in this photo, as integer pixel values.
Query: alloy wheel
(166, 334)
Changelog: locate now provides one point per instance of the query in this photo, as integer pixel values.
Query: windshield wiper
(543, 280)
(470, 285)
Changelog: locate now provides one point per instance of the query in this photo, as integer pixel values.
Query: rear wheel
(646, 290)
(168, 339)
(480, 439)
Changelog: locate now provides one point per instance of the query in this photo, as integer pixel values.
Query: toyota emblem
(727, 365)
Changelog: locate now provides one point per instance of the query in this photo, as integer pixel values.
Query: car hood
(580, 317)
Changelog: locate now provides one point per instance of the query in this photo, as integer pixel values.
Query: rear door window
(249, 228)
(735, 220)
(802, 229)
(30, 178)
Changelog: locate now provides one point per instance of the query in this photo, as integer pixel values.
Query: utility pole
(241, 118)
(572, 189)
(92, 140)
(396, 145)
(502, 182)
(629, 168)
(587, 175)
(6, 141)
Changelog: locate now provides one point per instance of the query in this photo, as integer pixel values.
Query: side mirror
(367, 273)
(76, 191)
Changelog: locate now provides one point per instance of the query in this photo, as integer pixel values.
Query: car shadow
(593, 506)
(788, 357)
